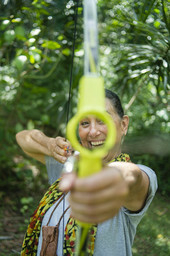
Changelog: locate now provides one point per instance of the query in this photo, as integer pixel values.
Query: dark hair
(115, 101)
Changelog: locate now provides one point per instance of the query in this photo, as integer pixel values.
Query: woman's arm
(99, 197)
(37, 145)
(137, 183)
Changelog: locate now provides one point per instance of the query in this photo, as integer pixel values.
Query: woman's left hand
(96, 198)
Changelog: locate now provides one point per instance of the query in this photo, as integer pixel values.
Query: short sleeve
(136, 217)
(54, 169)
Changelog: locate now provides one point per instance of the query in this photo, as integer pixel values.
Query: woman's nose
(94, 130)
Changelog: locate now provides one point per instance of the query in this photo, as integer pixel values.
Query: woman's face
(93, 131)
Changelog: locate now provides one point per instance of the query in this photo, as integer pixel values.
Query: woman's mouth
(96, 143)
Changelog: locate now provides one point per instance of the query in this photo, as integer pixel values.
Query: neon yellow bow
(91, 102)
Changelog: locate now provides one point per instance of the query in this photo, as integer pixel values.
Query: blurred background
(36, 42)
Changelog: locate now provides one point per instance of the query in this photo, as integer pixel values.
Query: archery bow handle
(91, 102)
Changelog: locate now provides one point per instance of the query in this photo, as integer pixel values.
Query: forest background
(36, 50)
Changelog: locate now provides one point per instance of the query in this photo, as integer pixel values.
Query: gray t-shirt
(115, 236)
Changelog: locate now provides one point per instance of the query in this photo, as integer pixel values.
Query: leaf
(5, 24)
(26, 200)
(32, 60)
(52, 45)
(20, 33)
(35, 32)
(9, 36)
(60, 37)
(66, 52)
(30, 125)
(156, 10)
(18, 127)
(19, 62)
(157, 24)
(45, 119)
(34, 57)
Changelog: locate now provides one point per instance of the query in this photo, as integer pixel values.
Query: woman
(115, 199)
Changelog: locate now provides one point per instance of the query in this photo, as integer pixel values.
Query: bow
(91, 102)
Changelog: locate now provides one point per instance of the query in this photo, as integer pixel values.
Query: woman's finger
(63, 143)
(67, 182)
(94, 214)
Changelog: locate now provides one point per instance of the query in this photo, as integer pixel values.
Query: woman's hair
(115, 101)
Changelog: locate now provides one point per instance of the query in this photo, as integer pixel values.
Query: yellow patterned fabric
(30, 243)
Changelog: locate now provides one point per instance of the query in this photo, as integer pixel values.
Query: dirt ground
(13, 223)
(12, 230)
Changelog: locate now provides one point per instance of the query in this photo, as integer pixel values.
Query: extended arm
(99, 197)
(137, 183)
(37, 145)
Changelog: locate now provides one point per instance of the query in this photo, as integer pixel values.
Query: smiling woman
(116, 196)
(93, 132)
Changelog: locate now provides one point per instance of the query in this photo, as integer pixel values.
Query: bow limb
(91, 102)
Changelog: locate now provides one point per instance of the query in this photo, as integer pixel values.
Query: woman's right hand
(37, 145)
(59, 148)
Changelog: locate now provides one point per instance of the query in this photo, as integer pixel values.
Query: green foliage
(137, 45)
(160, 164)
(152, 236)
(36, 40)
(25, 202)
(36, 43)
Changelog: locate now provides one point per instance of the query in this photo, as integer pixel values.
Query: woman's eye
(100, 121)
(85, 123)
